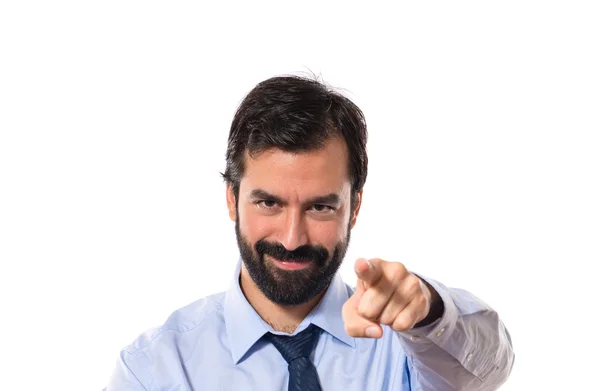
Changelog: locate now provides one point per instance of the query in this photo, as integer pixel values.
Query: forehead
(307, 174)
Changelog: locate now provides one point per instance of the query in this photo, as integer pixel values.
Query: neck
(281, 317)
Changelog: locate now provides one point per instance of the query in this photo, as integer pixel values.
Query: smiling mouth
(290, 265)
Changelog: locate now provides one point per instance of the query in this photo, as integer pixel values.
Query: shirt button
(441, 331)
(414, 338)
(470, 356)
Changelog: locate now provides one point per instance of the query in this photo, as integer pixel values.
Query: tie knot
(299, 345)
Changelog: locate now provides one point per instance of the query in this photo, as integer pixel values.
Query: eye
(323, 209)
(266, 204)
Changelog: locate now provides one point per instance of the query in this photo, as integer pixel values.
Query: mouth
(290, 265)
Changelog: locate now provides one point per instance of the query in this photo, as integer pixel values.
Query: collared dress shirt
(214, 344)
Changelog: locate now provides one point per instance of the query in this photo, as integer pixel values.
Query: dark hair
(295, 114)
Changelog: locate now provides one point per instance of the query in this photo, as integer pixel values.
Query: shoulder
(202, 315)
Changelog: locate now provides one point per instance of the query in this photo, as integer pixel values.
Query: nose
(293, 233)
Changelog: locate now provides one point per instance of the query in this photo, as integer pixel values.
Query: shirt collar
(245, 327)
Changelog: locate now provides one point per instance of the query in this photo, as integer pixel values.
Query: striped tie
(296, 351)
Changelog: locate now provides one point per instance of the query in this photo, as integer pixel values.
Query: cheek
(328, 234)
(253, 225)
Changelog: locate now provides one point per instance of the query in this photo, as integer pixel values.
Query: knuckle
(398, 273)
(401, 267)
(365, 312)
(401, 324)
(368, 307)
(386, 318)
(414, 285)
(420, 301)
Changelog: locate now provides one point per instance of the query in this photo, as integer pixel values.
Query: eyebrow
(329, 199)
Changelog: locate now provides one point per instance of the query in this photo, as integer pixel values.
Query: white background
(114, 115)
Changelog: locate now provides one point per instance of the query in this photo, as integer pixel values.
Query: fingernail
(370, 264)
(372, 332)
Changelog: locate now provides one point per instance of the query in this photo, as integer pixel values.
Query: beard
(290, 287)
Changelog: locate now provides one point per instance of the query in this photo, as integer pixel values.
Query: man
(296, 166)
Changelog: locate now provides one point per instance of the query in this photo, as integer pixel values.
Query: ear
(230, 197)
(357, 208)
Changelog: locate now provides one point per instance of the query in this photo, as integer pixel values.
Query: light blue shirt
(215, 344)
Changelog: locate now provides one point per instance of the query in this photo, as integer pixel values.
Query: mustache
(304, 253)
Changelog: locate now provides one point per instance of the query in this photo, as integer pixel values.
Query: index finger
(368, 271)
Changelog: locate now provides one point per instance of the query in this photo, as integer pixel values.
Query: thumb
(356, 326)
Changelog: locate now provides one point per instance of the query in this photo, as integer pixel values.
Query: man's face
(293, 220)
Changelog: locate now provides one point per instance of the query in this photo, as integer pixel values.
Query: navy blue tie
(296, 351)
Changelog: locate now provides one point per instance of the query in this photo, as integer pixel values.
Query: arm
(467, 348)
(452, 339)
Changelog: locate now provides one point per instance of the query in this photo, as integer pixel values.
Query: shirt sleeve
(123, 377)
(468, 348)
